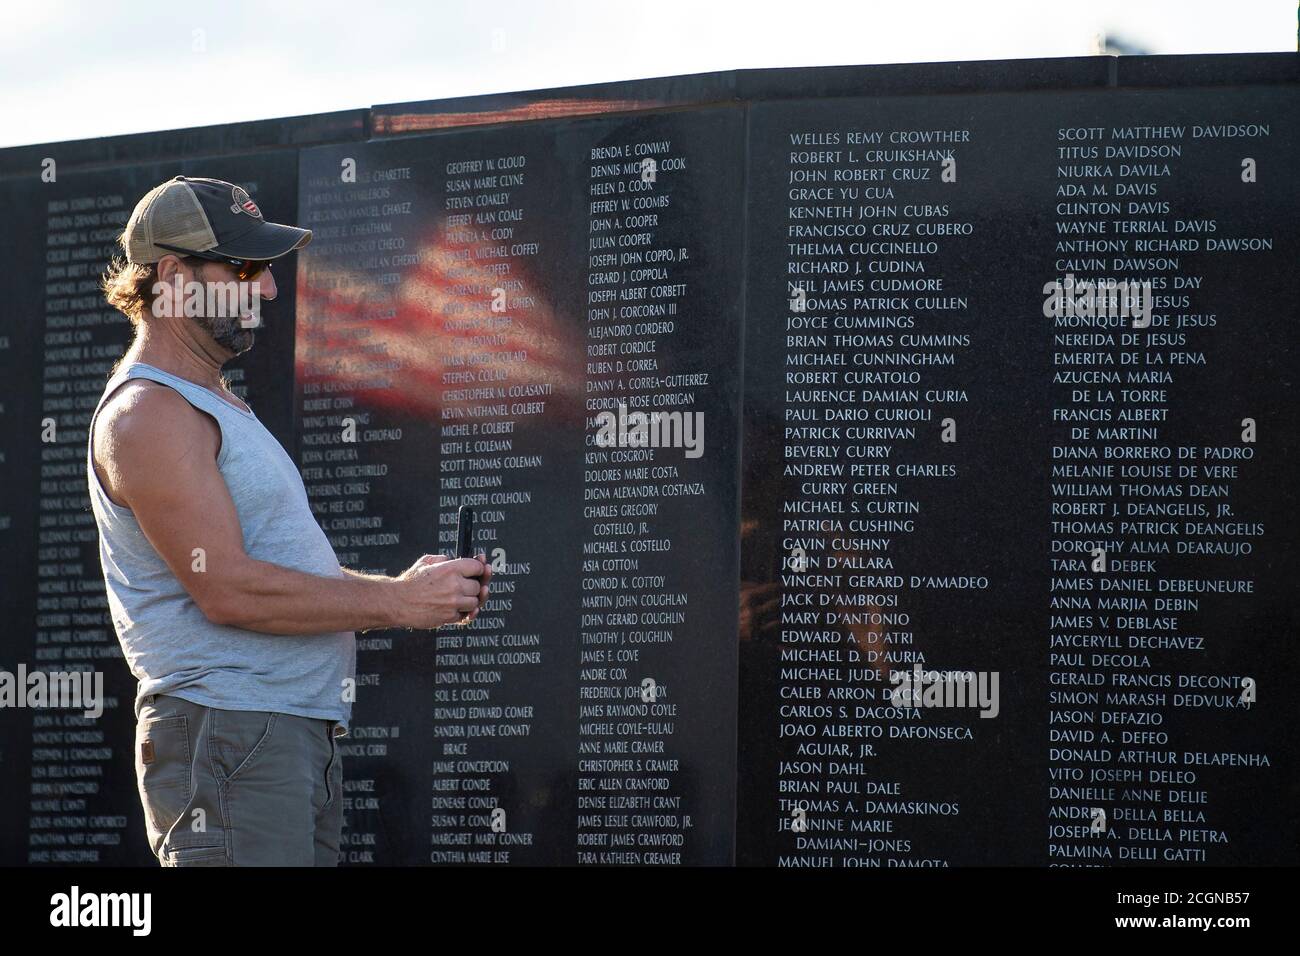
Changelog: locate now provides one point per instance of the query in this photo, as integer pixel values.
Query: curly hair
(129, 287)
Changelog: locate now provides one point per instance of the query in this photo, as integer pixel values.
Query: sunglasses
(245, 269)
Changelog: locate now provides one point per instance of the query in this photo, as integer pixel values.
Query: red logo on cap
(243, 203)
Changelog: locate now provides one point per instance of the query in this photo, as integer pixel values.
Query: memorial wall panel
(1090, 514)
(472, 301)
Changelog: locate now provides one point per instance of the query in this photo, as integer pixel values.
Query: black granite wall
(834, 280)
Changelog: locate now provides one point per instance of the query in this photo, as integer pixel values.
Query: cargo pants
(238, 787)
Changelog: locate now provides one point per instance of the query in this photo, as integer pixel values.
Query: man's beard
(228, 332)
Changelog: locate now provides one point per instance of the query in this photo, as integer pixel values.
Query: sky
(73, 70)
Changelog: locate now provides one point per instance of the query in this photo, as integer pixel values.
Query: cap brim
(267, 240)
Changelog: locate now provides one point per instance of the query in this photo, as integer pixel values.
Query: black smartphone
(465, 532)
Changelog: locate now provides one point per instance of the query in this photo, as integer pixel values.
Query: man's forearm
(272, 599)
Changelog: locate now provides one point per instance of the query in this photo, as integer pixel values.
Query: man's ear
(168, 267)
(171, 272)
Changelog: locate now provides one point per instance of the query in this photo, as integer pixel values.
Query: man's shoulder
(141, 411)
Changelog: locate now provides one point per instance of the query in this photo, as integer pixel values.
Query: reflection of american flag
(347, 321)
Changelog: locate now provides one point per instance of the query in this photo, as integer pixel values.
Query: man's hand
(482, 591)
(438, 590)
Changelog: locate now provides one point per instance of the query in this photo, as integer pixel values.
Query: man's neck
(165, 353)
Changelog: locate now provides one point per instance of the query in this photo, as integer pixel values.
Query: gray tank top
(169, 645)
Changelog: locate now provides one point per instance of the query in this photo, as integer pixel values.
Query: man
(228, 601)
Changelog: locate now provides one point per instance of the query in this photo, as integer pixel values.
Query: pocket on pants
(195, 856)
(162, 763)
(333, 770)
(236, 740)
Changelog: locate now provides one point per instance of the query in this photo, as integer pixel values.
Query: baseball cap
(205, 215)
